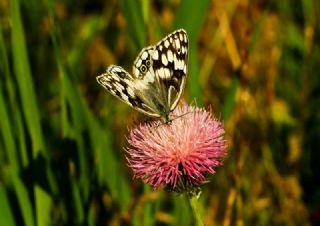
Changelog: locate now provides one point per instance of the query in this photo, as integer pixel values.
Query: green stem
(193, 199)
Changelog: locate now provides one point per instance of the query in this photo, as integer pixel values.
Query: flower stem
(193, 199)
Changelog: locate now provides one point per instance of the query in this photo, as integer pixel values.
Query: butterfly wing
(159, 74)
(163, 68)
(169, 63)
(127, 88)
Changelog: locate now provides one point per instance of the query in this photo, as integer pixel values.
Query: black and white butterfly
(158, 80)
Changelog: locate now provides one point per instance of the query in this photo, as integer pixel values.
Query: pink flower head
(178, 155)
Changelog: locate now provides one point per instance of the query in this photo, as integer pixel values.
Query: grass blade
(6, 216)
(133, 12)
(192, 23)
(24, 80)
(43, 206)
(24, 201)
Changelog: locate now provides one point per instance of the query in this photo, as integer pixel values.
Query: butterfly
(158, 79)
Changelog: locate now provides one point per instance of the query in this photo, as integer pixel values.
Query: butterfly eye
(143, 69)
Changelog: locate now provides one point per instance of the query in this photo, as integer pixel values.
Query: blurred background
(255, 63)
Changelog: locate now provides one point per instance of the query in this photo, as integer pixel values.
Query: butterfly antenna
(177, 117)
(194, 102)
(180, 116)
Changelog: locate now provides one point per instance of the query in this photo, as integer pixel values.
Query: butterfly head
(166, 119)
(164, 113)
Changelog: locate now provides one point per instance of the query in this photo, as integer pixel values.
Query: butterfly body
(158, 80)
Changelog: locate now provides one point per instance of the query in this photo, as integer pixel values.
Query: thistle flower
(179, 155)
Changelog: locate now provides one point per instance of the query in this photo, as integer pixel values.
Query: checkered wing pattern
(158, 80)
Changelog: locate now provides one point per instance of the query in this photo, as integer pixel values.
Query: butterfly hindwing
(122, 85)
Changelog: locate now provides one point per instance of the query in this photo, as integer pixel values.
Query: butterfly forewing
(169, 62)
(159, 74)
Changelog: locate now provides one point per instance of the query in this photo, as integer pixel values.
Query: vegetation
(255, 63)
